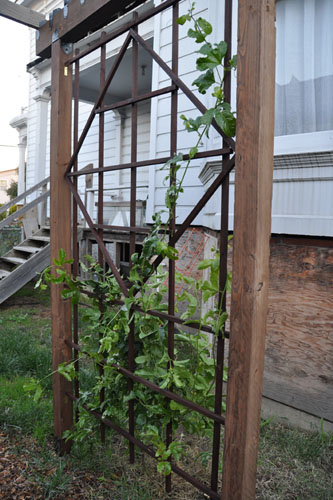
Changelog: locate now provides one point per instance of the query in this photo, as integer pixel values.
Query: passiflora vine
(104, 337)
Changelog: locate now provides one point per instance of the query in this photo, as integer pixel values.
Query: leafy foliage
(191, 371)
(11, 191)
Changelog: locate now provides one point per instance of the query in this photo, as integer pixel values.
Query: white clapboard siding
(142, 150)
(160, 114)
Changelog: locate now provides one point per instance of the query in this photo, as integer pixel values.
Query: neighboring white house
(6, 178)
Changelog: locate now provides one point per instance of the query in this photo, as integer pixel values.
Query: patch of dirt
(25, 474)
(14, 484)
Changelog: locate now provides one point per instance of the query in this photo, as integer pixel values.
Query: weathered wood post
(60, 215)
(252, 225)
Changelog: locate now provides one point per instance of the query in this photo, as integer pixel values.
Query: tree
(12, 190)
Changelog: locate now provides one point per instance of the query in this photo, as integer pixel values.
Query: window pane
(304, 66)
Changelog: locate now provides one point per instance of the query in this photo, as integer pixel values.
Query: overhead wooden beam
(77, 19)
(60, 224)
(252, 227)
(21, 14)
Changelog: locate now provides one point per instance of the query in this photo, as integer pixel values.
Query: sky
(14, 56)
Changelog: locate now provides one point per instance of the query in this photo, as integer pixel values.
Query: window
(304, 67)
(3, 185)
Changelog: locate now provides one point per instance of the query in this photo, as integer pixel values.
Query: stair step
(27, 248)
(3, 273)
(22, 274)
(40, 238)
(14, 260)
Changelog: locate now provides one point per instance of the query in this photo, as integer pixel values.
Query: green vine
(105, 337)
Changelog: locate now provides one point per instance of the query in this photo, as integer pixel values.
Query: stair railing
(28, 206)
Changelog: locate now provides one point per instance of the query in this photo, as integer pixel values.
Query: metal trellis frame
(253, 304)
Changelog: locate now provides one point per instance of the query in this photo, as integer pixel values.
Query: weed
(294, 464)
(55, 481)
(19, 413)
(25, 342)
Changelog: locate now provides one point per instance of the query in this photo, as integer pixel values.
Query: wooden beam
(252, 226)
(21, 14)
(78, 19)
(60, 223)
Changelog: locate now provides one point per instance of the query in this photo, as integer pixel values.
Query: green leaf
(164, 468)
(226, 121)
(182, 337)
(38, 394)
(213, 57)
(218, 93)
(205, 81)
(208, 116)
(209, 62)
(62, 256)
(175, 158)
(141, 359)
(177, 407)
(129, 397)
(205, 25)
(233, 62)
(206, 295)
(193, 151)
(35, 389)
(205, 49)
(177, 381)
(67, 371)
(204, 264)
(188, 280)
(182, 19)
(197, 35)
(221, 49)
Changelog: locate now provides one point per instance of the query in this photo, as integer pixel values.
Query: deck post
(252, 226)
(60, 223)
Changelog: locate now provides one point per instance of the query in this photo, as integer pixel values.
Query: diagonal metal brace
(98, 239)
(181, 85)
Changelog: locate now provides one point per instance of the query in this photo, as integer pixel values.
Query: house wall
(117, 128)
(299, 348)
(303, 173)
(160, 114)
(299, 339)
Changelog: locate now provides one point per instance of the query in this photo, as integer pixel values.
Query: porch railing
(40, 198)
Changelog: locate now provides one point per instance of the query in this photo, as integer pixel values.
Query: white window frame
(304, 143)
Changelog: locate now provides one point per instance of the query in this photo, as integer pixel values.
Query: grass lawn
(292, 464)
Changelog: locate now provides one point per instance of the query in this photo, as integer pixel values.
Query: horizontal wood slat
(78, 19)
(21, 14)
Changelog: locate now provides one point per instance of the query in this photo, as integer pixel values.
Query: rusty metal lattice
(221, 182)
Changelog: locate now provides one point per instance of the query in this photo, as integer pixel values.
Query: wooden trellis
(253, 191)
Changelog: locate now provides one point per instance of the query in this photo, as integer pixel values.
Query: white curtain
(304, 66)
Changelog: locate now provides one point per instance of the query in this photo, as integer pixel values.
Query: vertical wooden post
(252, 224)
(60, 222)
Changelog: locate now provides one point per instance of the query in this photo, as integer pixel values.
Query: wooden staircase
(23, 262)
